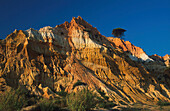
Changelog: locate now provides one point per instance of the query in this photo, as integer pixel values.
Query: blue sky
(147, 21)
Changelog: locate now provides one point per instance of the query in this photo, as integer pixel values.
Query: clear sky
(147, 21)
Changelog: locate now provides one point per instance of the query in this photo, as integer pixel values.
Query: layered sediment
(55, 58)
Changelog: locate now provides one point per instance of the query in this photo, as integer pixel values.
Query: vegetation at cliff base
(83, 100)
(163, 103)
(13, 100)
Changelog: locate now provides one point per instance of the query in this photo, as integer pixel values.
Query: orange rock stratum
(55, 58)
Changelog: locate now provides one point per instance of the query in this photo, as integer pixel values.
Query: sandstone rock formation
(55, 58)
(166, 58)
(127, 46)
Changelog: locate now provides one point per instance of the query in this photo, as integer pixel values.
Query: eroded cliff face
(166, 59)
(55, 58)
(135, 52)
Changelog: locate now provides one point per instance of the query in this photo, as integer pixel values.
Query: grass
(56, 104)
(48, 105)
(62, 93)
(83, 100)
(163, 103)
(13, 100)
(101, 103)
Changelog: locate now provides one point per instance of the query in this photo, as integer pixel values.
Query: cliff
(55, 58)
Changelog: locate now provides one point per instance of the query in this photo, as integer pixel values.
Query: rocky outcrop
(127, 46)
(55, 58)
(155, 63)
(156, 57)
(167, 60)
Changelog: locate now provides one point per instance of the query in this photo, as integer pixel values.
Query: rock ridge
(55, 58)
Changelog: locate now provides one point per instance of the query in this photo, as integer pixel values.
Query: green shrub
(101, 103)
(83, 100)
(61, 102)
(106, 105)
(47, 105)
(78, 83)
(13, 100)
(62, 93)
(163, 103)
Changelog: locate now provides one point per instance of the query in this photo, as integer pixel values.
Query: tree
(118, 32)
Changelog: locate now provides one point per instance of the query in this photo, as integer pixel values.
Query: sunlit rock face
(55, 58)
(167, 60)
(127, 46)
